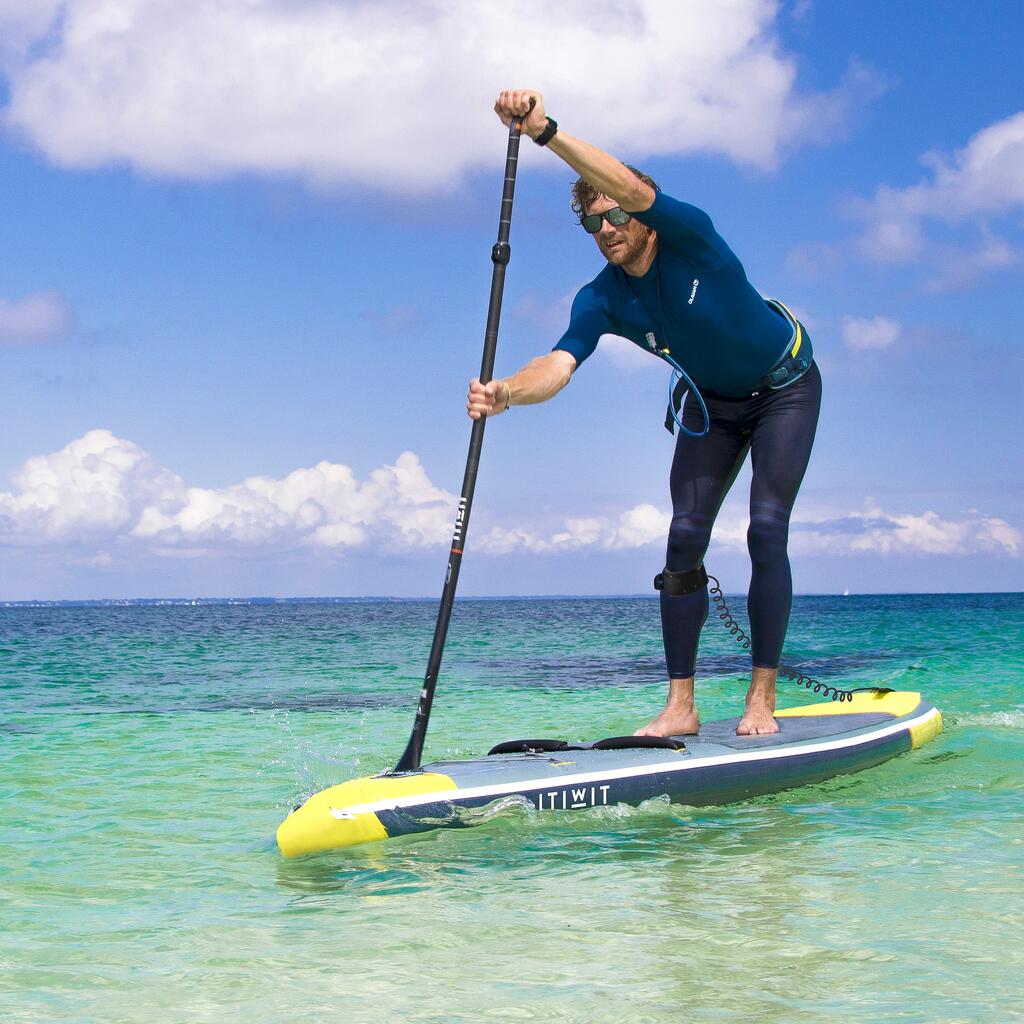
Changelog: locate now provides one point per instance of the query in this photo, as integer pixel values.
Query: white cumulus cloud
(95, 487)
(34, 319)
(873, 531)
(858, 532)
(101, 489)
(863, 333)
(974, 186)
(635, 528)
(22, 23)
(101, 497)
(396, 94)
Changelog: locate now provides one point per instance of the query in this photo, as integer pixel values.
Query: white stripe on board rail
(584, 778)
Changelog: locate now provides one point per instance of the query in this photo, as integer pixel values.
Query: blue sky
(244, 274)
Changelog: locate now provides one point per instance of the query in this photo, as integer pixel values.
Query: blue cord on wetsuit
(680, 374)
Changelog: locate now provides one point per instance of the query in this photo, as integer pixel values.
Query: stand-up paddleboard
(716, 766)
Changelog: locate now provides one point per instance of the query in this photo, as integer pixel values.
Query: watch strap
(548, 134)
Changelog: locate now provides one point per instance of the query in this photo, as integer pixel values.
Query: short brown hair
(583, 193)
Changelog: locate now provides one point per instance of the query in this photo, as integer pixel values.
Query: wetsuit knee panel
(688, 537)
(767, 536)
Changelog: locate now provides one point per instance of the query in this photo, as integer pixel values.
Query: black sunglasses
(616, 216)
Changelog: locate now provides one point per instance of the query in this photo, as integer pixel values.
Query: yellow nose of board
(324, 821)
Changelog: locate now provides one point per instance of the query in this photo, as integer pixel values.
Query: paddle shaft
(500, 254)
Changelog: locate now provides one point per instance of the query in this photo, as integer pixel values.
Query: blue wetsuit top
(696, 301)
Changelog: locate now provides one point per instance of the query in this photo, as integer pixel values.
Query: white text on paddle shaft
(572, 799)
(460, 515)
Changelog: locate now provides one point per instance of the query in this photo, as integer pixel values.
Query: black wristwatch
(548, 134)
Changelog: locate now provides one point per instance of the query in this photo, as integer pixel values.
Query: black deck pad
(530, 746)
(635, 742)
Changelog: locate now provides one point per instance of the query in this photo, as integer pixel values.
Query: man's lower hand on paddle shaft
(540, 379)
(488, 399)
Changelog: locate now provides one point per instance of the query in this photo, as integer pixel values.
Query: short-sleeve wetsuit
(695, 300)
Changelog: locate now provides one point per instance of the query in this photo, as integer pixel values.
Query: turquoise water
(148, 753)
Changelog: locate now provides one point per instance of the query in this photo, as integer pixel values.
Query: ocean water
(147, 755)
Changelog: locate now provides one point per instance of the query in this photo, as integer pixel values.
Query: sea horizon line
(107, 602)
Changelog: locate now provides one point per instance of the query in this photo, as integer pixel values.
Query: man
(675, 288)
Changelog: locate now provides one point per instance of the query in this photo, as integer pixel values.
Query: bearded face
(622, 245)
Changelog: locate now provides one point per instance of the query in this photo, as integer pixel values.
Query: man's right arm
(604, 172)
(540, 379)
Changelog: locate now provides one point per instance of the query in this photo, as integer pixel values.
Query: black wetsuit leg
(779, 427)
(703, 470)
(782, 434)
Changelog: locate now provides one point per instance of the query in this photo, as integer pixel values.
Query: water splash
(1011, 719)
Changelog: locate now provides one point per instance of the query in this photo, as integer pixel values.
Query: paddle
(500, 254)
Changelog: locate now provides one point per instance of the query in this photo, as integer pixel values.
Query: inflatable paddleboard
(814, 743)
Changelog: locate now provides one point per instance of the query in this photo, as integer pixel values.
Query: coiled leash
(689, 581)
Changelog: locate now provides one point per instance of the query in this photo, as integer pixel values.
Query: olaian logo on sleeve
(693, 291)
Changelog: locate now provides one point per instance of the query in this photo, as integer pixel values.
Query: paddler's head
(622, 240)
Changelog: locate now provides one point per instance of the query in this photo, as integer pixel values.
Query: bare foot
(758, 713)
(757, 720)
(672, 722)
